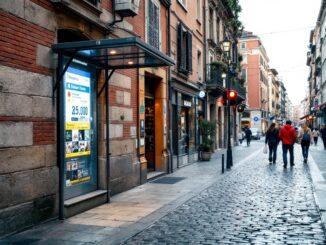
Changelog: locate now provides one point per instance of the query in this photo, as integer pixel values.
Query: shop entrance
(150, 133)
(150, 148)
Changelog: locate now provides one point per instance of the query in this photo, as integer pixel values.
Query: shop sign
(187, 103)
(201, 94)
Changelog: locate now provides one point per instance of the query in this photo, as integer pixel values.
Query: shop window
(184, 50)
(153, 23)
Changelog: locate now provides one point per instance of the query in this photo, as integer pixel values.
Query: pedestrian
(241, 136)
(323, 135)
(288, 137)
(305, 139)
(315, 135)
(272, 140)
(248, 134)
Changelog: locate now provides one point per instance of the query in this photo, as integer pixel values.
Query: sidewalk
(317, 166)
(132, 211)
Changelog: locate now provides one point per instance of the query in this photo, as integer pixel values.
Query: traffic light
(232, 97)
(241, 108)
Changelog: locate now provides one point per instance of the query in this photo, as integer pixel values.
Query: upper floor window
(153, 23)
(211, 16)
(184, 50)
(199, 64)
(93, 1)
(243, 45)
(198, 10)
(183, 3)
(218, 30)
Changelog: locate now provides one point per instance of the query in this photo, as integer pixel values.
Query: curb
(319, 190)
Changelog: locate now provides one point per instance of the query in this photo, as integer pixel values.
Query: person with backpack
(305, 139)
(272, 140)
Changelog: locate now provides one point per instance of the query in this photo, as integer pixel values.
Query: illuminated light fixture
(226, 45)
(113, 52)
(130, 62)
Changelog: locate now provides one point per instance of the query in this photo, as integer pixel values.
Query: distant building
(255, 63)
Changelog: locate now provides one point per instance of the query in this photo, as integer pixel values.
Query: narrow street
(254, 203)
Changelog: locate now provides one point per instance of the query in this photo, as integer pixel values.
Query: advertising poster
(77, 126)
(77, 113)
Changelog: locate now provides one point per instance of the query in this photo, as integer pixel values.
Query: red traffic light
(232, 95)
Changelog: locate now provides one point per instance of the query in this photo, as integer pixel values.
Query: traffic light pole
(229, 159)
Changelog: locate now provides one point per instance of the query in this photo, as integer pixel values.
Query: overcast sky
(284, 27)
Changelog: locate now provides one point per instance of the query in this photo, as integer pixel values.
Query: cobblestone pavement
(256, 203)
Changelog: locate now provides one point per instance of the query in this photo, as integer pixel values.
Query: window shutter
(156, 27)
(180, 51)
(189, 51)
(150, 27)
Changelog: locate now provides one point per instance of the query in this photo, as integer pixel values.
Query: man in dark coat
(272, 140)
(248, 135)
(288, 137)
(323, 135)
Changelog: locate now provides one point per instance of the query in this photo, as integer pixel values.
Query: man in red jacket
(288, 137)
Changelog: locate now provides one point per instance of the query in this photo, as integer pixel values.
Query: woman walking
(315, 135)
(305, 140)
(272, 140)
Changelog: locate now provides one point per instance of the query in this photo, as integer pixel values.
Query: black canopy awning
(121, 53)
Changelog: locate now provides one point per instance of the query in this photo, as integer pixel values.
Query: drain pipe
(169, 93)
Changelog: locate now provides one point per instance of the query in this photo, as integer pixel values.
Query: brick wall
(18, 43)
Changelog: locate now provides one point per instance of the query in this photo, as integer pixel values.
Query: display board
(80, 143)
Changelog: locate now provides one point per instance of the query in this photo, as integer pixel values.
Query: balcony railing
(237, 86)
(215, 79)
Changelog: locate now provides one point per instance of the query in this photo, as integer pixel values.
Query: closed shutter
(189, 52)
(156, 24)
(150, 24)
(180, 51)
(153, 25)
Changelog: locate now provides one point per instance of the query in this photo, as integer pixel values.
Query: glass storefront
(185, 126)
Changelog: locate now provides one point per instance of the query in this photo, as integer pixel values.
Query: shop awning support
(107, 78)
(60, 76)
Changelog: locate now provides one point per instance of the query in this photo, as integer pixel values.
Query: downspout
(169, 93)
(205, 59)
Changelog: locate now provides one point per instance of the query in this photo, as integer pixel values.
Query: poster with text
(77, 113)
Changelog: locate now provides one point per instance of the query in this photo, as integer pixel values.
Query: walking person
(315, 135)
(272, 140)
(241, 136)
(248, 134)
(305, 140)
(323, 135)
(288, 137)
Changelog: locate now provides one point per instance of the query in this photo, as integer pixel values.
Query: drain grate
(168, 180)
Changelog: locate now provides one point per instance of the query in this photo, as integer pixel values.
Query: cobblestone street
(255, 203)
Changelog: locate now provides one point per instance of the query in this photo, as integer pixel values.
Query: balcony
(214, 84)
(237, 86)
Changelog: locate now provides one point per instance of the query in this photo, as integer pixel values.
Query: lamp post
(226, 49)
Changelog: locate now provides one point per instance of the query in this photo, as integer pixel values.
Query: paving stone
(254, 204)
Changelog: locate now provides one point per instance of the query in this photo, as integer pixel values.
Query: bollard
(222, 163)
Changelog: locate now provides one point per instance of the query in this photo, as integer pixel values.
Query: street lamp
(226, 49)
